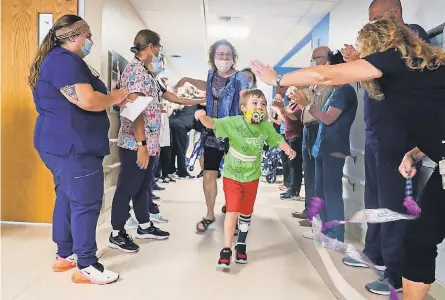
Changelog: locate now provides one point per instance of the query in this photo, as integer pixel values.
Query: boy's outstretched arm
(208, 122)
(287, 150)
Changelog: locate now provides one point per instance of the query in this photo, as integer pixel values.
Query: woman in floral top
(139, 143)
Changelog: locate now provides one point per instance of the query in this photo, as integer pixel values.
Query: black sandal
(205, 223)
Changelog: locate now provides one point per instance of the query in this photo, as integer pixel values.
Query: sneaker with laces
(94, 274)
(157, 218)
(187, 176)
(241, 255)
(152, 232)
(123, 242)
(64, 264)
(132, 223)
(225, 257)
(349, 261)
(382, 286)
(289, 196)
(164, 180)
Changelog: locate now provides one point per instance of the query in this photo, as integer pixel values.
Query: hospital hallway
(282, 264)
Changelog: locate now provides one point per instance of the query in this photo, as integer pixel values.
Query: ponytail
(48, 44)
(64, 28)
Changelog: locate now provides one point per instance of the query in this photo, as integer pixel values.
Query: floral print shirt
(137, 79)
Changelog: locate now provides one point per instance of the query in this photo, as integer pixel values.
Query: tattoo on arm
(69, 92)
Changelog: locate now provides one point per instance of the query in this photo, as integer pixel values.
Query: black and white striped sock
(243, 224)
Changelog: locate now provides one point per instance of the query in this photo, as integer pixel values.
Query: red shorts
(240, 197)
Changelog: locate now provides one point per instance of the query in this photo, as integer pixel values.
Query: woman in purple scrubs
(71, 136)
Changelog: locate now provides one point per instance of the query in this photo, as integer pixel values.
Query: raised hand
(265, 73)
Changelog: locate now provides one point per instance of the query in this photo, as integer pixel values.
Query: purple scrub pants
(79, 186)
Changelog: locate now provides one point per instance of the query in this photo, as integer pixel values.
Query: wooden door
(27, 191)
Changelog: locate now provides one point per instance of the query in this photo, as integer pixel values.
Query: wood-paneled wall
(27, 191)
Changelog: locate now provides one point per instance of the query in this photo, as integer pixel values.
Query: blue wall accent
(284, 70)
(320, 31)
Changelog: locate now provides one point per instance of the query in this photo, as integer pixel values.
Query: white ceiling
(275, 27)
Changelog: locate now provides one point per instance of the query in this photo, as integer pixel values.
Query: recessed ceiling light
(175, 56)
(229, 31)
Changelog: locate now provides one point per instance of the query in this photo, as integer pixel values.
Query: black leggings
(425, 233)
(164, 162)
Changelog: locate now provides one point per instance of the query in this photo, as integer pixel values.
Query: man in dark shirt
(386, 144)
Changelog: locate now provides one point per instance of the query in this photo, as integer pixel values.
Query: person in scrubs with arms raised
(71, 137)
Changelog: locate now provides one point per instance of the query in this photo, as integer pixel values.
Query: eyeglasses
(223, 55)
(318, 57)
(159, 47)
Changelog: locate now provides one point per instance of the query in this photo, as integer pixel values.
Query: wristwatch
(142, 143)
(278, 80)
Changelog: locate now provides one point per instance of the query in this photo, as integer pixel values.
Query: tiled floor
(282, 265)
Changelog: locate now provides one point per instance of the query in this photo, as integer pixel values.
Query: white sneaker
(309, 235)
(95, 274)
(64, 264)
(157, 218)
(132, 223)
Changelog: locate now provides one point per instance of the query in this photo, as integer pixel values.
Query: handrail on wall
(353, 181)
(357, 153)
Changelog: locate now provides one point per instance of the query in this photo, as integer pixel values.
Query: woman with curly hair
(398, 67)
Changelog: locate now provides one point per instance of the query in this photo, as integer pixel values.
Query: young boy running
(242, 166)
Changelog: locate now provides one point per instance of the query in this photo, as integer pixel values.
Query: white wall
(346, 20)
(120, 24)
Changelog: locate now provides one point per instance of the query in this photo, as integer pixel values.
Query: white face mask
(223, 65)
(313, 63)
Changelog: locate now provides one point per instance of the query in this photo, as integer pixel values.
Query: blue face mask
(156, 64)
(250, 85)
(87, 48)
(156, 67)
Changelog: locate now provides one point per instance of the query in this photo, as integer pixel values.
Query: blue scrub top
(61, 125)
(336, 137)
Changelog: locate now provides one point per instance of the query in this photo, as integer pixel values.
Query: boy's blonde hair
(246, 94)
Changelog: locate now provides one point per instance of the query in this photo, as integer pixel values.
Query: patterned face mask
(255, 116)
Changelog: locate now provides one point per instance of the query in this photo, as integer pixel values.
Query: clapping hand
(349, 53)
(299, 97)
(278, 102)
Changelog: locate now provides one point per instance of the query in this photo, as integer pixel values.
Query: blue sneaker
(381, 287)
(349, 261)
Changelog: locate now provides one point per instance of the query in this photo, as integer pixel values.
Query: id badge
(442, 171)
